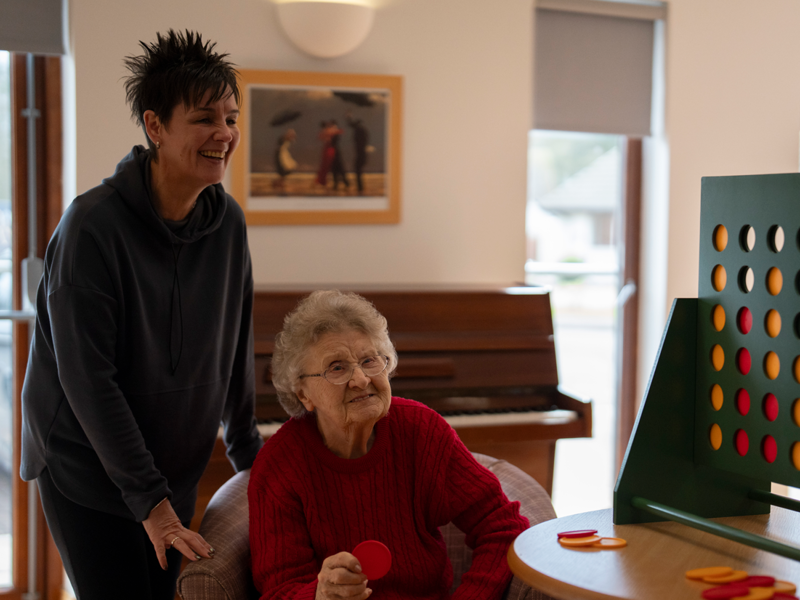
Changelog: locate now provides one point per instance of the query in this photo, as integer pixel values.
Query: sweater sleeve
(83, 322)
(283, 561)
(242, 439)
(471, 497)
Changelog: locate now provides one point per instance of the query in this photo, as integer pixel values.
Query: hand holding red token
(375, 559)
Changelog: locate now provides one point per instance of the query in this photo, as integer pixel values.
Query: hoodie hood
(131, 180)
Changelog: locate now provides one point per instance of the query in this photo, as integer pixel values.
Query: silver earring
(158, 145)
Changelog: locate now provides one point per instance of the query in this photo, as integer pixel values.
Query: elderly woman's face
(198, 142)
(360, 402)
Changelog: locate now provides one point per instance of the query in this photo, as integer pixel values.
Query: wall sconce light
(325, 29)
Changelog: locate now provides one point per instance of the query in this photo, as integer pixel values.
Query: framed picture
(318, 148)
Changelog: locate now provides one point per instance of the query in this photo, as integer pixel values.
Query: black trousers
(105, 556)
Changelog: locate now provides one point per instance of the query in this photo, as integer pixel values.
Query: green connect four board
(721, 416)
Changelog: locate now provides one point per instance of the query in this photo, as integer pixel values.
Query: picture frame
(318, 148)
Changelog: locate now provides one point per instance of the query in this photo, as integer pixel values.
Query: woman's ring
(172, 543)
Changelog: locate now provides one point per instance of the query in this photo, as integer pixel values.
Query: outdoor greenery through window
(6, 440)
(573, 216)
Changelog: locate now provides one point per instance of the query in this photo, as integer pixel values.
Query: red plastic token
(770, 407)
(722, 592)
(742, 401)
(744, 320)
(577, 533)
(743, 361)
(375, 559)
(758, 581)
(769, 448)
(742, 443)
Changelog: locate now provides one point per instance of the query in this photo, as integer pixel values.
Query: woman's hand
(165, 530)
(341, 577)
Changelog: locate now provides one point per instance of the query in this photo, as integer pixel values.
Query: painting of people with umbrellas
(328, 146)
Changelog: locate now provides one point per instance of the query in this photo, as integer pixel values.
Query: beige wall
(467, 74)
(733, 107)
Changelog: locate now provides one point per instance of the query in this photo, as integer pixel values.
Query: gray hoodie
(143, 345)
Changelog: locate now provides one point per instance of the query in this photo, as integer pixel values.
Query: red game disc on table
(758, 581)
(782, 596)
(723, 592)
(375, 559)
(577, 533)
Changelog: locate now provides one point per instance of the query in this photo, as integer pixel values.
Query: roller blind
(35, 26)
(594, 72)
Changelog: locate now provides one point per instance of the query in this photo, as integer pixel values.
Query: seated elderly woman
(355, 464)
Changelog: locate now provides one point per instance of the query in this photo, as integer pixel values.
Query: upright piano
(483, 357)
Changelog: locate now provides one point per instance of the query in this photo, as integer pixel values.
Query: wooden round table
(653, 564)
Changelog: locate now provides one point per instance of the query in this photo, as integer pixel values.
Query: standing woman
(143, 342)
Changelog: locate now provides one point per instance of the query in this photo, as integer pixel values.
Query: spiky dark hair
(179, 68)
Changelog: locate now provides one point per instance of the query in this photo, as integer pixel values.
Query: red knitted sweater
(307, 504)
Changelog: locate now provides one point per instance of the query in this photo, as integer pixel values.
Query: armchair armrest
(226, 527)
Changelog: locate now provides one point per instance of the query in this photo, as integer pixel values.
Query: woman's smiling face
(349, 410)
(197, 143)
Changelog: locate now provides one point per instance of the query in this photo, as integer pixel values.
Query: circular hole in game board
(741, 441)
(772, 365)
(770, 407)
(716, 396)
(796, 455)
(796, 412)
(715, 436)
(775, 238)
(744, 320)
(747, 238)
(718, 317)
(797, 282)
(774, 281)
(796, 369)
(772, 323)
(742, 402)
(769, 448)
(717, 357)
(797, 325)
(720, 238)
(719, 278)
(747, 279)
(743, 361)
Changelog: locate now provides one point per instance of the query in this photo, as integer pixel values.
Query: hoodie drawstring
(176, 325)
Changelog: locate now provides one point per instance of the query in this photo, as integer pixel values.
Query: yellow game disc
(774, 281)
(772, 365)
(758, 593)
(716, 396)
(797, 369)
(720, 238)
(717, 357)
(718, 317)
(735, 576)
(787, 587)
(773, 323)
(715, 437)
(708, 572)
(578, 542)
(796, 412)
(609, 543)
(719, 278)
(796, 455)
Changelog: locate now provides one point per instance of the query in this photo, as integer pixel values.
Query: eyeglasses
(340, 373)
